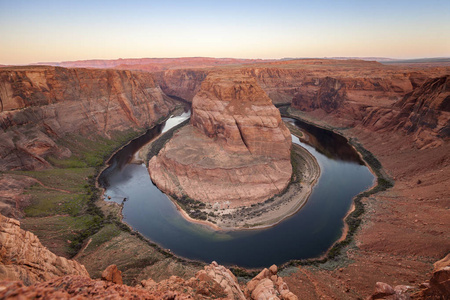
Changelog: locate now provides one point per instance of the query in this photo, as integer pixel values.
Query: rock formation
(236, 151)
(40, 105)
(404, 227)
(13, 197)
(438, 286)
(24, 258)
(181, 83)
(29, 271)
(423, 113)
(268, 285)
(214, 282)
(112, 273)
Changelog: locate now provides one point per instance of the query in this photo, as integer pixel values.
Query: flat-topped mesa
(238, 113)
(235, 152)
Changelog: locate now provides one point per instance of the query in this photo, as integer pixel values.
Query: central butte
(235, 151)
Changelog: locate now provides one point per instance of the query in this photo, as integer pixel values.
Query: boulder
(112, 274)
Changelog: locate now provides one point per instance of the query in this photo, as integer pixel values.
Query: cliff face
(424, 114)
(40, 105)
(236, 150)
(181, 83)
(236, 112)
(362, 80)
(24, 258)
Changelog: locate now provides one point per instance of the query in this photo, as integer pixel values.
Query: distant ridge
(152, 64)
(419, 60)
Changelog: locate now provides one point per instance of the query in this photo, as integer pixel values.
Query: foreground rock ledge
(235, 152)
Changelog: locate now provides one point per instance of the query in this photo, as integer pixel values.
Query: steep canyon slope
(235, 152)
(41, 105)
(24, 258)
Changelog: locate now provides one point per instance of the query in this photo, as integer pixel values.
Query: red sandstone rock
(439, 285)
(267, 285)
(235, 153)
(112, 274)
(23, 257)
(40, 105)
(214, 282)
(236, 112)
(382, 290)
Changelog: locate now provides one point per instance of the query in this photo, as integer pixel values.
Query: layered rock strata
(24, 258)
(423, 113)
(214, 282)
(41, 105)
(268, 285)
(30, 271)
(235, 152)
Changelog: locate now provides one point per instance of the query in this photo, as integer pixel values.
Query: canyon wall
(181, 83)
(24, 258)
(364, 82)
(40, 105)
(236, 150)
(423, 114)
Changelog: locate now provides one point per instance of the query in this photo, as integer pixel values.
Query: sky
(63, 30)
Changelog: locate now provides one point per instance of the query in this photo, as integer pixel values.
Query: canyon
(398, 113)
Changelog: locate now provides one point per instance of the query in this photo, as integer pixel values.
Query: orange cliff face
(236, 150)
(235, 111)
(363, 81)
(41, 105)
(181, 83)
(24, 258)
(423, 114)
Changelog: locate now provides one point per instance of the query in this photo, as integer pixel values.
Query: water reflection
(328, 143)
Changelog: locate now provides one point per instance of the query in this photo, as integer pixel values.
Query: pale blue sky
(32, 31)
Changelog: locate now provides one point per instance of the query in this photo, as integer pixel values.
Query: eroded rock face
(13, 197)
(234, 111)
(438, 286)
(181, 83)
(40, 105)
(24, 258)
(76, 287)
(112, 274)
(423, 113)
(214, 282)
(268, 285)
(236, 150)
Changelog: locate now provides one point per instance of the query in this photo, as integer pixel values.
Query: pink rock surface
(236, 151)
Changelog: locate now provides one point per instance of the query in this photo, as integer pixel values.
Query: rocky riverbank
(306, 171)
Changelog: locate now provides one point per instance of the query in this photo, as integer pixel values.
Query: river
(308, 233)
